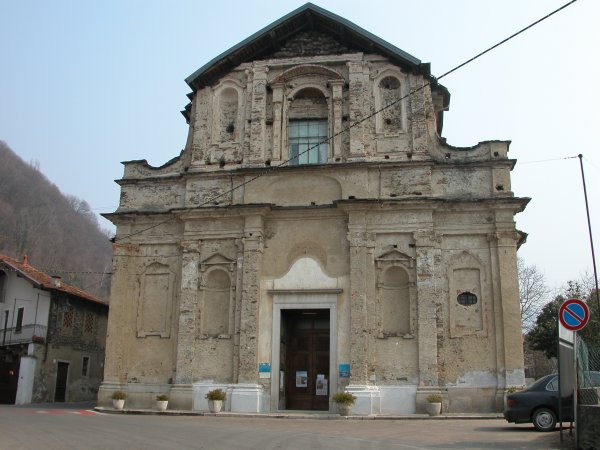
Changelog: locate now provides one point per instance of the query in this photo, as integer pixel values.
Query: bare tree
(533, 293)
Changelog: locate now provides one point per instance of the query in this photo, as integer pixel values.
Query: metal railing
(23, 334)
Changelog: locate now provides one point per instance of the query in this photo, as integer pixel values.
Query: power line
(358, 122)
(546, 160)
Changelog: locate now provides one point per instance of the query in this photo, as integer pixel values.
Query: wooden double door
(305, 344)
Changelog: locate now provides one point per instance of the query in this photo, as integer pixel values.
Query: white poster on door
(321, 385)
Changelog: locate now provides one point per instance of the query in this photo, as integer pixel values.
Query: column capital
(427, 238)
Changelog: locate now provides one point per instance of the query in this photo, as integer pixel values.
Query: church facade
(317, 234)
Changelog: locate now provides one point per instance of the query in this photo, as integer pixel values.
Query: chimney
(55, 281)
(25, 260)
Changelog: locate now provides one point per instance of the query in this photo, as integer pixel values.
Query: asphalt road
(73, 427)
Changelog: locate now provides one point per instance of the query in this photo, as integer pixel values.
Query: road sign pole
(576, 385)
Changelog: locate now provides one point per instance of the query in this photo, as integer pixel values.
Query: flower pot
(433, 409)
(344, 409)
(118, 404)
(161, 405)
(215, 406)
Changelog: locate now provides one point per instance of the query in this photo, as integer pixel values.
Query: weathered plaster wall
(395, 213)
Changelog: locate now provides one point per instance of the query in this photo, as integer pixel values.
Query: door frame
(296, 299)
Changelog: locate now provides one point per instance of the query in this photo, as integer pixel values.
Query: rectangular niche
(154, 302)
(466, 303)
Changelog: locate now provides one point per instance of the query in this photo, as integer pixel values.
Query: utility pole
(587, 209)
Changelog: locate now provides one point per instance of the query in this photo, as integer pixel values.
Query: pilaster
(337, 87)
(359, 337)
(252, 267)
(277, 118)
(509, 343)
(187, 312)
(357, 86)
(258, 114)
(428, 274)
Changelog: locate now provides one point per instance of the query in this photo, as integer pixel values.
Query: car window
(552, 385)
(540, 384)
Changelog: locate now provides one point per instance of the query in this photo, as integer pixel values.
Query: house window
(306, 144)
(19, 325)
(88, 324)
(85, 364)
(68, 318)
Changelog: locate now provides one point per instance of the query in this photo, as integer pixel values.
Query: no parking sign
(574, 314)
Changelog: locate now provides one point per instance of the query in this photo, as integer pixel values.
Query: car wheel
(544, 419)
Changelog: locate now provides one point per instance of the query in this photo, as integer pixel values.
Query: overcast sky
(85, 85)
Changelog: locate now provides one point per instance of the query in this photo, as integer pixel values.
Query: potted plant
(162, 401)
(344, 401)
(118, 399)
(215, 398)
(434, 404)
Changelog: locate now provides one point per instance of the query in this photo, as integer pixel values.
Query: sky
(87, 84)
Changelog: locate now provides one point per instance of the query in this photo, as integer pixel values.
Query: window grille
(467, 299)
(304, 135)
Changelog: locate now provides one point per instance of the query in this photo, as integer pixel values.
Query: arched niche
(227, 113)
(396, 294)
(217, 294)
(389, 87)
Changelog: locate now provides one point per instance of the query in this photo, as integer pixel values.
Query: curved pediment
(305, 273)
(308, 69)
(394, 257)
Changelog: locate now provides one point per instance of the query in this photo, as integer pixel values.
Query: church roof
(307, 17)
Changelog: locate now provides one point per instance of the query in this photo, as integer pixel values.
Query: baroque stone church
(317, 234)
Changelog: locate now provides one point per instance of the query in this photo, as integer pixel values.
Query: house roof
(307, 17)
(44, 281)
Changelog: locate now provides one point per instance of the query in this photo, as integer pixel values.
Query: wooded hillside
(59, 234)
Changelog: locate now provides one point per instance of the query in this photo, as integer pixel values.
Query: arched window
(308, 128)
(395, 302)
(217, 302)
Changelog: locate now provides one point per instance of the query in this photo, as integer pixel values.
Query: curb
(313, 416)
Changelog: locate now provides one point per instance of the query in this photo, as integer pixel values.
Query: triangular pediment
(217, 258)
(338, 35)
(394, 255)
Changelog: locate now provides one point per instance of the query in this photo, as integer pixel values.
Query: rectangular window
(88, 324)
(85, 364)
(306, 144)
(20, 314)
(68, 318)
